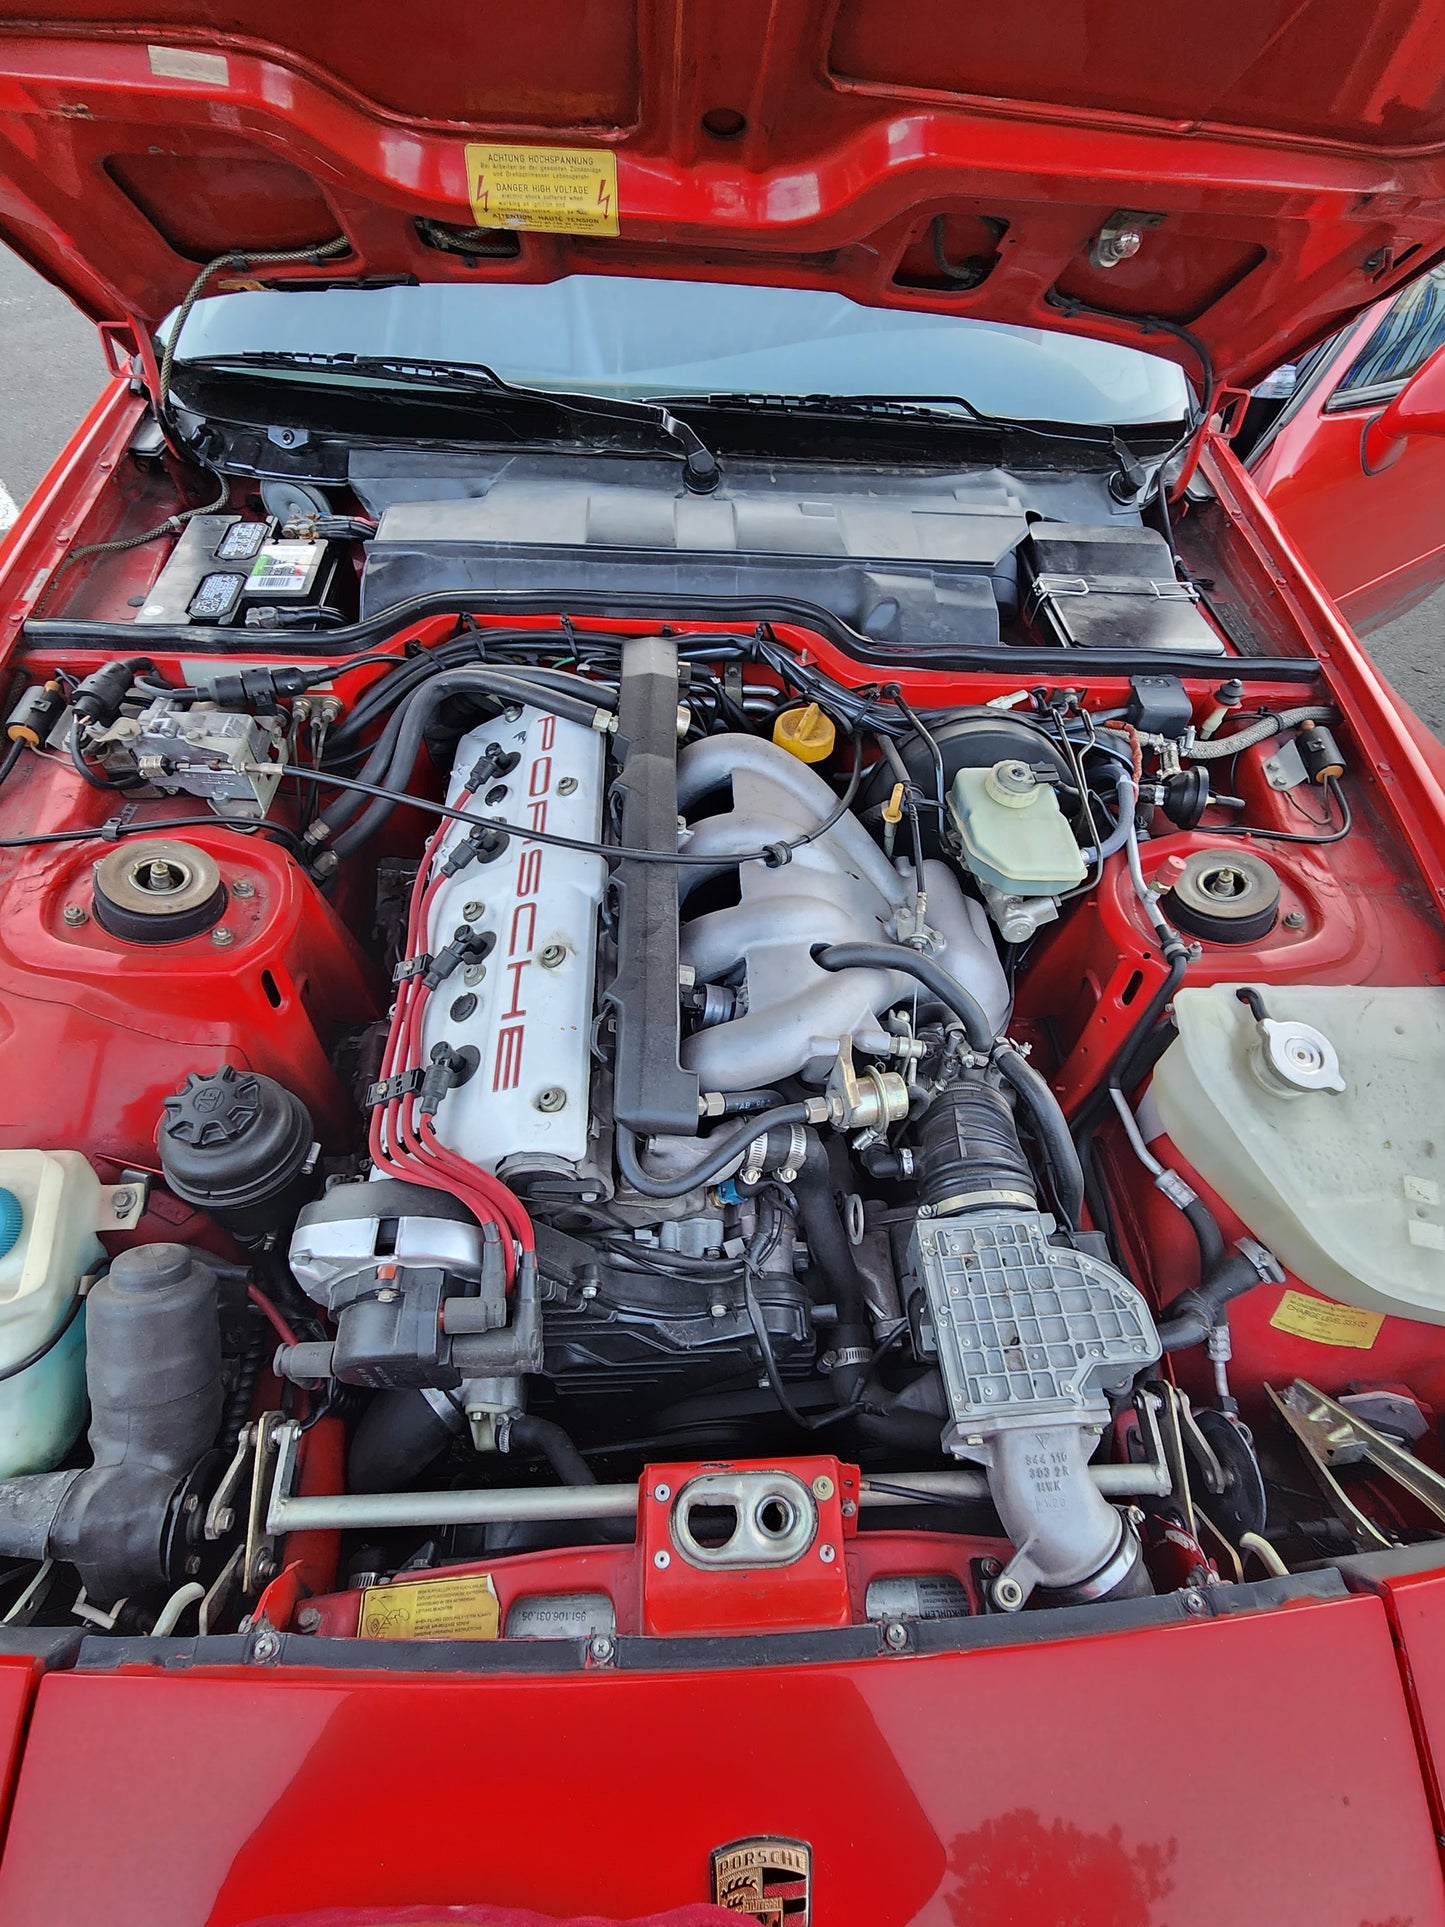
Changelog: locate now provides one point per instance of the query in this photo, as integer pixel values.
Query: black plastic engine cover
(636, 1332)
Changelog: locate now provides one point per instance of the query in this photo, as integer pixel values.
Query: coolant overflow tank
(1322, 1126)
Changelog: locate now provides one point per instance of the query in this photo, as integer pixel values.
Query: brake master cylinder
(1017, 842)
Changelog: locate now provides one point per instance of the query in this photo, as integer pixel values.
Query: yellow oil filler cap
(805, 733)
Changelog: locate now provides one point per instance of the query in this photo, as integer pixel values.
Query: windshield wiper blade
(701, 473)
(947, 411)
(883, 407)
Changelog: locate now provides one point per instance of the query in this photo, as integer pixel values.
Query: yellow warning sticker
(431, 1609)
(554, 190)
(1325, 1322)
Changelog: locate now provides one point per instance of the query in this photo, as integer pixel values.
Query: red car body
(1374, 534)
(1271, 1752)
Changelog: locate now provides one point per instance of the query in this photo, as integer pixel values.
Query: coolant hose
(392, 691)
(548, 1440)
(1193, 1315)
(1051, 1128)
(527, 1433)
(393, 758)
(939, 983)
(718, 1153)
(1207, 1235)
(831, 1253)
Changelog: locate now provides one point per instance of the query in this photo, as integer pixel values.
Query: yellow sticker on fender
(1325, 1322)
(555, 190)
(431, 1609)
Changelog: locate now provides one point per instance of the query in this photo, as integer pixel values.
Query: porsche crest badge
(766, 1879)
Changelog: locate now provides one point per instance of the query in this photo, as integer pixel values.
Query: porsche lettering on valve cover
(722, 993)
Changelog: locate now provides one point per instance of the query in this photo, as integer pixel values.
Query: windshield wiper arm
(700, 471)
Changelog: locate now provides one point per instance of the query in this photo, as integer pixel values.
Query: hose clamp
(1271, 1271)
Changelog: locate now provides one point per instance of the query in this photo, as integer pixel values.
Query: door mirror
(1418, 409)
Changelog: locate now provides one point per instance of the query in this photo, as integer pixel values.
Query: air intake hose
(153, 1371)
(969, 1153)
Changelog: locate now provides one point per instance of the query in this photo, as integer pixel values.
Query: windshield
(642, 338)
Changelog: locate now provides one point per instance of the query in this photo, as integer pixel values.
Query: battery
(225, 571)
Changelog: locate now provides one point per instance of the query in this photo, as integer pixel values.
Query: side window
(1406, 338)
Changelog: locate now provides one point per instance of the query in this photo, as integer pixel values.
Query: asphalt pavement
(51, 370)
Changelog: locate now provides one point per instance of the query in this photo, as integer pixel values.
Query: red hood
(1285, 158)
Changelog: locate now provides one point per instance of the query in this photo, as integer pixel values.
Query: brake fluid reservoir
(1014, 833)
(1319, 1118)
(50, 1204)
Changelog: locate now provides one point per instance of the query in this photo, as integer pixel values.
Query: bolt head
(309, 1618)
(122, 1202)
(225, 1519)
(822, 1486)
(1195, 1602)
(567, 785)
(601, 1648)
(193, 1566)
(193, 1503)
(553, 1098)
(266, 1644)
(473, 909)
(1294, 919)
(243, 887)
(895, 1635)
(265, 1567)
(221, 937)
(75, 914)
(1008, 1594)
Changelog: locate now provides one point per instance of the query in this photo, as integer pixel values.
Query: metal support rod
(378, 1511)
(1114, 1481)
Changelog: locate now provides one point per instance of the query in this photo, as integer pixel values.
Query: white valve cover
(527, 1010)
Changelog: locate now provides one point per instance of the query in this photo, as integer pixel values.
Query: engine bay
(568, 1128)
